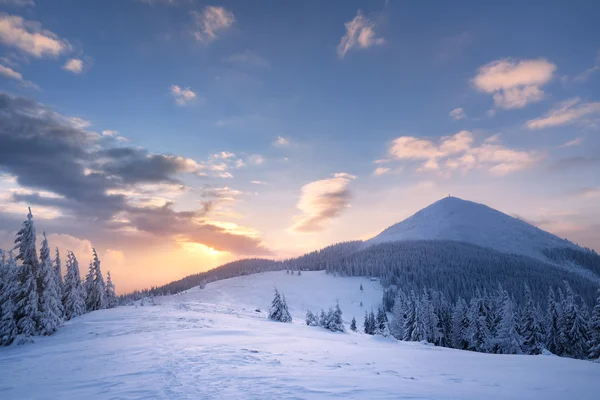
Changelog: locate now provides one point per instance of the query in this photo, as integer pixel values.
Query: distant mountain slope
(464, 221)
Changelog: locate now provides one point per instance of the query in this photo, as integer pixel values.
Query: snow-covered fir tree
(311, 319)
(88, 286)
(396, 325)
(574, 326)
(430, 319)
(26, 313)
(508, 340)
(367, 325)
(58, 275)
(382, 322)
(478, 333)
(95, 286)
(353, 327)
(531, 326)
(74, 293)
(460, 325)
(553, 322)
(111, 296)
(279, 309)
(50, 306)
(8, 286)
(335, 322)
(594, 331)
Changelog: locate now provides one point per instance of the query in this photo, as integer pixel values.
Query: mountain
(454, 246)
(460, 220)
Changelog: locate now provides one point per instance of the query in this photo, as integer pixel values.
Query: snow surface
(211, 344)
(460, 220)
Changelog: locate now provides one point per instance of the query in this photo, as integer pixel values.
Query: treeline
(458, 269)
(35, 298)
(493, 322)
(314, 261)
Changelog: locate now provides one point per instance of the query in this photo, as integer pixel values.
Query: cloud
(30, 38)
(321, 201)
(574, 142)
(586, 74)
(588, 192)
(210, 21)
(250, 59)
(458, 153)
(182, 96)
(69, 170)
(256, 159)
(568, 112)
(74, 65)
(281, 141)
(360, 34)
(514, 84)
(458, 114)
(574, 162)
(381, 171)
(10, 73)
(263, 183)
(18, 3)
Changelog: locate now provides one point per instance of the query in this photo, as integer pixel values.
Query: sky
(176, 135)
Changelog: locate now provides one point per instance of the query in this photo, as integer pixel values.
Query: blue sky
(278, 127)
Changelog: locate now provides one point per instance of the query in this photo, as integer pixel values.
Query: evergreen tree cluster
(331, 320)
(494, 323)
(34, 297)
(376, 324)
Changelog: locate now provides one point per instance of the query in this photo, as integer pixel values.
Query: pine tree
(410, 318)
(531, 330)
(311, 319)
(60, 285)
(430, 319)
(335, 322)
(97, 294)
(553, 343)
(478, 333)
(460, 325)
(111, 296)
(8, 286)
(372, 323)
(279, 310)
(594, 331)
(88, 287)
(353, 325)
(366, 324)
(508, 339)
(382, 322)
(361, 288)
(49, 305)
(398, 316)
(574, 325)
(74, 294)
(26, 296)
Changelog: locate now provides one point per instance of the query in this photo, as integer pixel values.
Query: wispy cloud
(29, 37)
(575, 142)
(360, 34)
(381, 171)
(262, 183)
(281, 141)
(210, 21)
(568, 112)
(182, 96)
(18, 3)
(10, 73)
(458, 114)
(514, 84)
(320, 201)
(458, 153)
(250, 59)
(74, 65)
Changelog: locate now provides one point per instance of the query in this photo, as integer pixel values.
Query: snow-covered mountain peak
(455, 219)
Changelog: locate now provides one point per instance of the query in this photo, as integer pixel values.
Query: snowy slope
(460, 220)
(211, 344)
